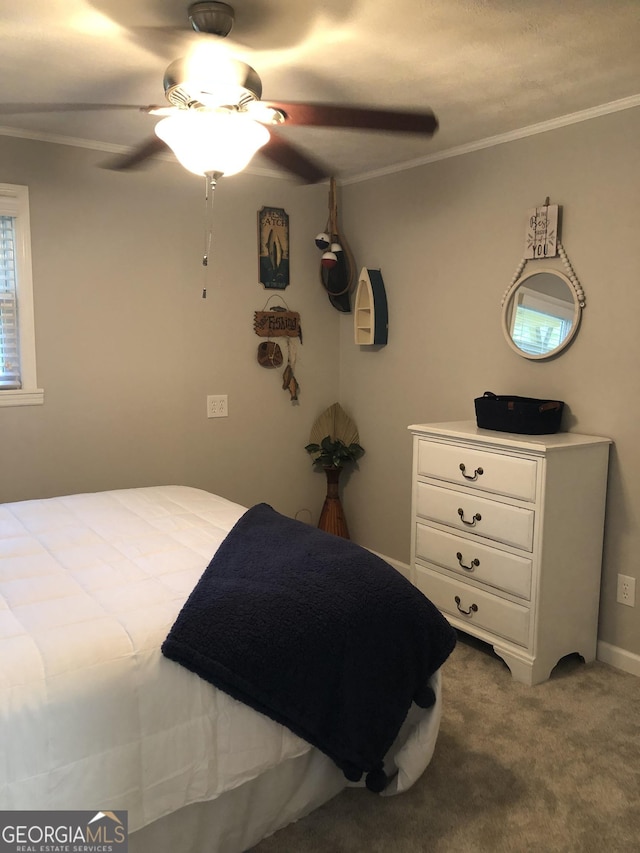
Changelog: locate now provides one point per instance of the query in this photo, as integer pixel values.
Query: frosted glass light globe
(212, 142)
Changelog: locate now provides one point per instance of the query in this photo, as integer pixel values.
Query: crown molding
(501, 138)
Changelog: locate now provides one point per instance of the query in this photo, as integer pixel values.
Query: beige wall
(448, 238)
(128, 350)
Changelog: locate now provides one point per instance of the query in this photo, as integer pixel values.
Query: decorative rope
(277, 308)
(573, 278)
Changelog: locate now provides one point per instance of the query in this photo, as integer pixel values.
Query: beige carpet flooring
(553, 768)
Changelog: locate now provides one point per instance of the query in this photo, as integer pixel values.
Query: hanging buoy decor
(329, 260)
(337, 267)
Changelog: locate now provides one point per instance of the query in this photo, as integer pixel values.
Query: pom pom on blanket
(376, 780)
(424, 696)
(315, 632)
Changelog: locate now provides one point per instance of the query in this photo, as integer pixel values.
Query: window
(18, 386)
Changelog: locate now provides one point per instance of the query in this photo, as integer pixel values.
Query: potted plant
(334, 442)
(334, 453)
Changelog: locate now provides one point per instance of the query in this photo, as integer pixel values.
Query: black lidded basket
(525, 415)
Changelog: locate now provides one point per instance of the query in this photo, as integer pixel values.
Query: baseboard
(620, 658)
(612, 655)
(403, 568)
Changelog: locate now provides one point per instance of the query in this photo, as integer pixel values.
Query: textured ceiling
(486, 67)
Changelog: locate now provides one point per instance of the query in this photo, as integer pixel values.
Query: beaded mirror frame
(542, 241)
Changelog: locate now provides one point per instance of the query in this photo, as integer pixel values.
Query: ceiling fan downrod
(211, 17)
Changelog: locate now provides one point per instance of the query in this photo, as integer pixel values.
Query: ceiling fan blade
(139, 156)
(25, 109)
(333, 115)
(283, 154)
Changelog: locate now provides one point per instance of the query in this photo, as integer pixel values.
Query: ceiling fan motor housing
(183, 91)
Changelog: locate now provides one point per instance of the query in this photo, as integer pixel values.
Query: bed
(94, 715)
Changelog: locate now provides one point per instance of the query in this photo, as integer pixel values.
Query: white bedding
(91, 714)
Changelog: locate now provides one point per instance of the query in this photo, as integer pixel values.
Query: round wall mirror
(541, 314)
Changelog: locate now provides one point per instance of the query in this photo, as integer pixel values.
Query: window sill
(22, 398)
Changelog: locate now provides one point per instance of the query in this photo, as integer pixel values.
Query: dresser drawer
(480, 516)
(483, 610)
(471, 558)
(505, 475)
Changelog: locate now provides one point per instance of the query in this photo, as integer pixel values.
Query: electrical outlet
(217, 406)
(626, 590)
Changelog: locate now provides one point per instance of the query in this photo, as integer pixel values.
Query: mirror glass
(541, 314)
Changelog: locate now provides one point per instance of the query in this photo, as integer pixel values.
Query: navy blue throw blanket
(316, 633)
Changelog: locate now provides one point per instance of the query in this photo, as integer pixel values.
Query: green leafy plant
(334, 453)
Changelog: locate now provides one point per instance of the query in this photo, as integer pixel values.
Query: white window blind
(540, 322)
(18, 386)
(9, 341)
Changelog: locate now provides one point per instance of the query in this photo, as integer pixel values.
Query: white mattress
(91, 714)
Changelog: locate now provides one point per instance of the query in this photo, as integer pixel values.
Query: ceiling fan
(216, 119)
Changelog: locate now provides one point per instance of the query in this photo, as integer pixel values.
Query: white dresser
(507, 538)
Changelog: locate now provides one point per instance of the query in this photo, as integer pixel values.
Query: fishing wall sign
(273, 247)
(279, 322)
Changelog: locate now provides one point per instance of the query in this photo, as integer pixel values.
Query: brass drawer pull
(478, 472)
(475, 562)
(472, 609)
(476, 517)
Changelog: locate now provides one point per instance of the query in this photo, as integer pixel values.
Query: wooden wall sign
(277, 324)
(273, 243)
(541, 239)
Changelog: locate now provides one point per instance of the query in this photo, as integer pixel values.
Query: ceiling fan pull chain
(209, 187)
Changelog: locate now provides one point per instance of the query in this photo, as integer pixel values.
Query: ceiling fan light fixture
(220, 142)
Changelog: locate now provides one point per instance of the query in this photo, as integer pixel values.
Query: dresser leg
(524, 669)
